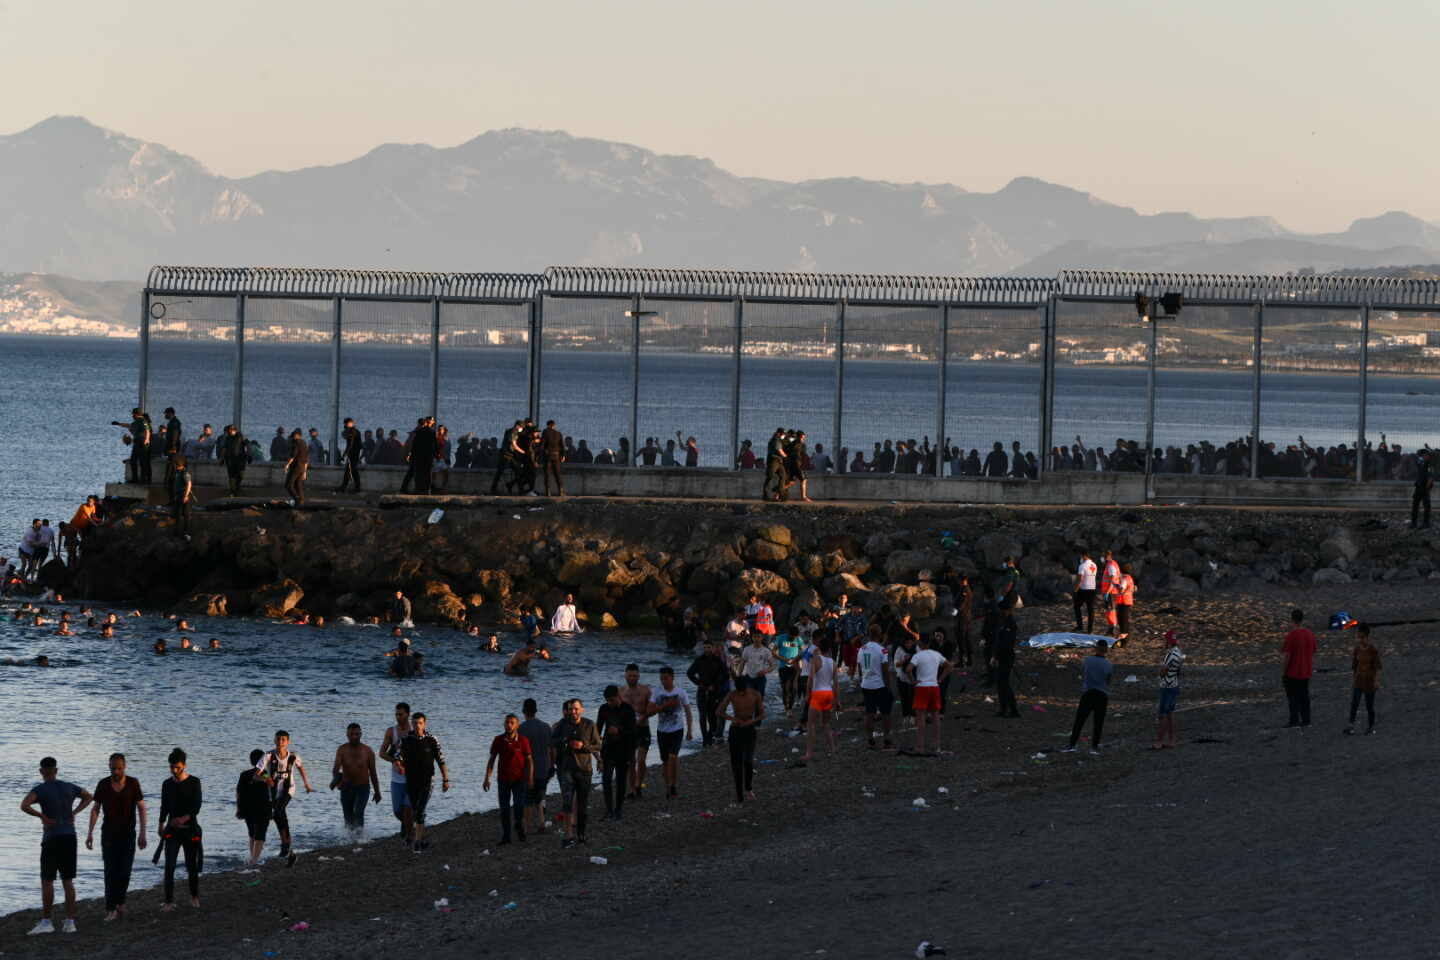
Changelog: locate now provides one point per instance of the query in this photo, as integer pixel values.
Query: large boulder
(579, 566)
(903, 566)
(776, 533)
(919, 601)
(879, 545)
(846, 583)
(998, 545)
(769, 585)
(1330, 575)
(764, 553)
(496, 585)
(1340, 543)
(205, 604)
(277, 599)
(811, 566)
(806, 601)
(438, 603)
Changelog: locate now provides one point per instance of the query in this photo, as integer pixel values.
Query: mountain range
(81, 201)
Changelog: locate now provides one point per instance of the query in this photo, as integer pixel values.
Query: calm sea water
(116, 695)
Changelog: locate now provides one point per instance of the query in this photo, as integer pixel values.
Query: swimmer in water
(185, 644)
(39, 621)
(160, 645)
(64, 630)
(42, 661)
(111, 619)
(419, 665)
(472, 631)
(214, 643)
(519, 665)
(318, 622)
(183, 626)
(402, 648)
(108, 631)
(135, 613)
(492, 644)
(90, 623)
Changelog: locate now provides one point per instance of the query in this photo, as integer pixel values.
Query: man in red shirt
(517, 773)
(1299, 656)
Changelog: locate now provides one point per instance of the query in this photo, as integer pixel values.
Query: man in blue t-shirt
(57, 845)
(1096, 671)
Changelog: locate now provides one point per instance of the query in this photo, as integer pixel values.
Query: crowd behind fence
(1320, 377)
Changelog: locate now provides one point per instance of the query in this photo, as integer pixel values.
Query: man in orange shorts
(927, 668)
(823, 703)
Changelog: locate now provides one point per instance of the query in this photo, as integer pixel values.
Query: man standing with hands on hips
(57, 848)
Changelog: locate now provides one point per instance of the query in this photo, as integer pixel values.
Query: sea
(59, 397)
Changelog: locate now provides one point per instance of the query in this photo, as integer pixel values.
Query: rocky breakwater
(629, 564)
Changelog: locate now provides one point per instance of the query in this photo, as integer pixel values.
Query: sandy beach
(1250, 840)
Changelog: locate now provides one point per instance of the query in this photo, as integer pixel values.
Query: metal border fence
(825, 297)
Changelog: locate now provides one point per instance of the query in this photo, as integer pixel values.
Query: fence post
(435, 358)
(836, 441)
(1047, 382)
(635, 305)
(336, 334)
(1150, 411)
(537, 358)
(237, 399)
(942, 448)
(1255, 358)
(735, 384)
(1364, 391)
(144, 397)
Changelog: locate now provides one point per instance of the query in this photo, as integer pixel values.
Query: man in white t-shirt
(756, 663)
(875, 688)
(927, 668)
(277, 769)
(666, 702)
(1085, 575)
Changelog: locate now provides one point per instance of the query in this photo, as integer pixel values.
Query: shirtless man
(637, 695)
(519, 665)
(744, 707)
(354, 771)
(390, 753)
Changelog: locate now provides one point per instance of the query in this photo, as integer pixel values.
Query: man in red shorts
(927, 668)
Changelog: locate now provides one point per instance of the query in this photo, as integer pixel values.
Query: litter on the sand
(249, 871)
(447, 866)
(942, 789)
(253, 883)
(928, 949)
(918, 803)
(442, 903)
(1037, 708)
(707, 815)
(510, 906)
(599, 861)
(515, 516)
(331, 858)
(1132, 679)
(486, 852)
(300, 927)
(435, 516)
(494, 893)
(608, 849)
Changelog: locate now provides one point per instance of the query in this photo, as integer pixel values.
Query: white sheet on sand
(564, 620)
(1043, 640)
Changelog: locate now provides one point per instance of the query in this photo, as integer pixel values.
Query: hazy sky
(1313, 111)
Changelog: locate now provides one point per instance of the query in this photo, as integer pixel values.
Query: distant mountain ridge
(81, 201)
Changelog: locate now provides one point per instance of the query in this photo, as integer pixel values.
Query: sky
(1313, 112)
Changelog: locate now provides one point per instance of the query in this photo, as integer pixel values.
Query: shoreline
(1035, 855)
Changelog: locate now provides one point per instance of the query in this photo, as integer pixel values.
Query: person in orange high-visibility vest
(1109, 589)
(1124, 601)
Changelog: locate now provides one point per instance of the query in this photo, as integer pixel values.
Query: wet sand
(1250, 840)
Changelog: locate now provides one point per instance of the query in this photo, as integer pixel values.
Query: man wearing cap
(1169, 691)
(56, 800)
